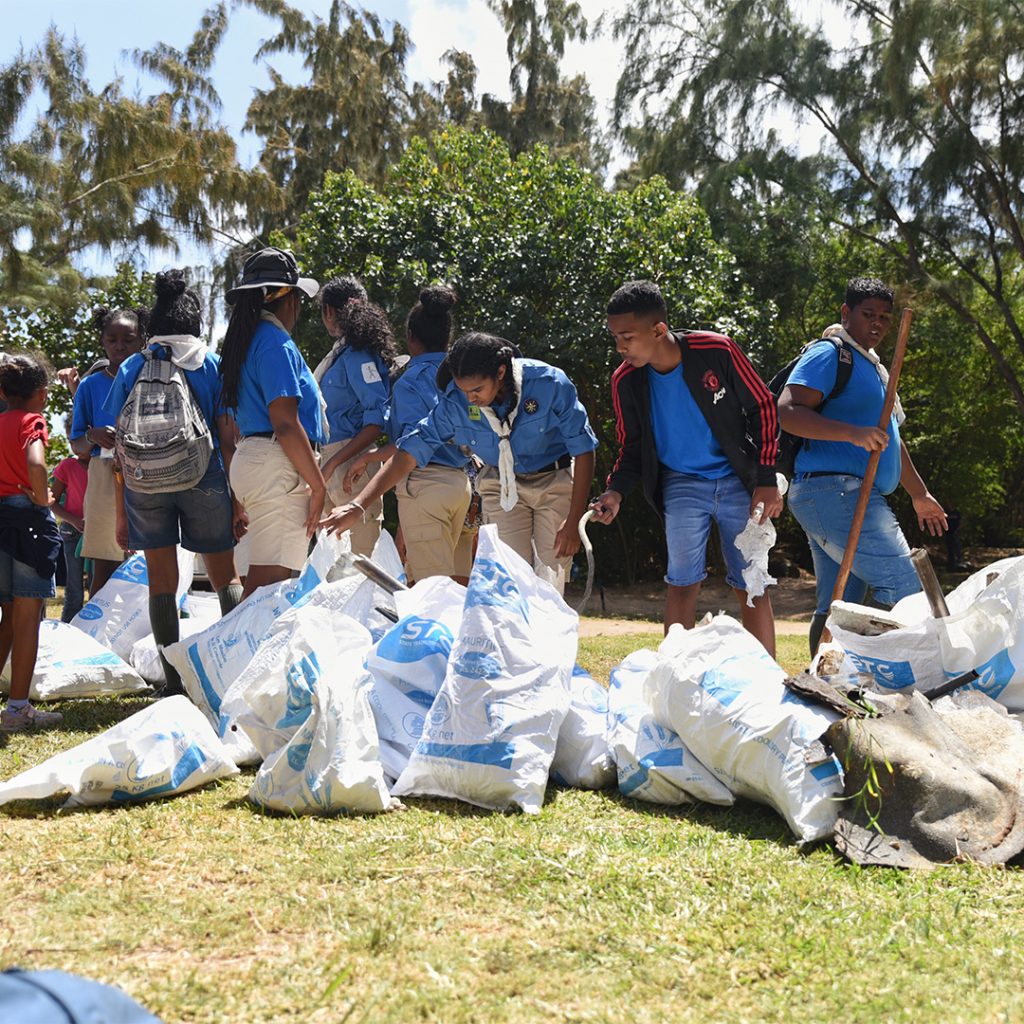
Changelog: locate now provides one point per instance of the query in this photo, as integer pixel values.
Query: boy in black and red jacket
(698, 429)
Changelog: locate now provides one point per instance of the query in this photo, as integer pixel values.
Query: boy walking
(698, 429)
(840, 434)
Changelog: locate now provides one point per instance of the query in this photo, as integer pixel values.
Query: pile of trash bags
(346, 697)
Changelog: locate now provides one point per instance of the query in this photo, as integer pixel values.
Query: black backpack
(789, 444)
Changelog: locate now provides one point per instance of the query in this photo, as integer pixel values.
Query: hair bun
(437, 299)
(99, 314)
(169, 284)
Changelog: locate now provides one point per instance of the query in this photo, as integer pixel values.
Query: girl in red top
(29, 541)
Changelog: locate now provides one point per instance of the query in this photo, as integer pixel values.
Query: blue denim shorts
(16, 578)
(691, 504)
(199, 518)
(823, 506)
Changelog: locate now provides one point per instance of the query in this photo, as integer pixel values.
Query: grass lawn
(598, 909)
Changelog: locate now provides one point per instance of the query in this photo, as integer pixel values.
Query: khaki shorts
(365, 535)
(544, 500)
(276, 499)
(432, 506)
(99, 539)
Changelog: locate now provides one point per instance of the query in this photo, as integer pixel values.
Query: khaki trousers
(544, 500)
(99, 511)
(432, 506)
(276, 498)
(365, 535)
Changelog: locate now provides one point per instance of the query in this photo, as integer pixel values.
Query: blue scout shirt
(550, 423)
(274, 368)
(88, 410)
(205, 384)
(414, 395)
(683, 439)
(859, 403)
(356, 389)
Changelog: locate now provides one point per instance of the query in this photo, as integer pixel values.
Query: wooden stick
(872, 466)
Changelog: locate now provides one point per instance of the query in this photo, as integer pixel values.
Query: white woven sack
(331, 765)
(72, 664)
(117, 615)
(490, 735)
(203, 611)
(717, 687)
(272, 696)
(165, 749)
(984, 632)
(582, 756)
(652, 762)
(408, 665)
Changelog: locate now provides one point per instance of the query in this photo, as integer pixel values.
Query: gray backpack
(163, 440)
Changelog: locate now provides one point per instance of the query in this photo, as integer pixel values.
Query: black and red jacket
(739, 408)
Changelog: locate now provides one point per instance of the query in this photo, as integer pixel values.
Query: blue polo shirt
(357, 389)
(414, 396)
(550, 423)
(89, 409)
(205, 384)
(859, 403)
(274, 368)
(682, 436)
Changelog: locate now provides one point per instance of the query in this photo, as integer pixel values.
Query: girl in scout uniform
(432, 500)
(122, 334)
(523, 420)
(356, 386)
(274, 471)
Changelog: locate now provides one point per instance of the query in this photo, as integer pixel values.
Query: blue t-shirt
(414, 396)
(357, 389)
(682, 436)
(859, 403)
(274, 368)
(550, 423)
(205, 384)
(89, 409)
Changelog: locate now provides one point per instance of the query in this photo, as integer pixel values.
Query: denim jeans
(823, 506)
(74, 588)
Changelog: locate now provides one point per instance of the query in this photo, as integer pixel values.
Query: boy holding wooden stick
(840, 433)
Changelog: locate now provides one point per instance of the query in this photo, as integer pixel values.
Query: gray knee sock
(229, 597)
(163, 617)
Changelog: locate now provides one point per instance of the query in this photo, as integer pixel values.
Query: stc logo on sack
(91, 612)
(492, 585)
(132, 571)
(414, 639)
(893, 675)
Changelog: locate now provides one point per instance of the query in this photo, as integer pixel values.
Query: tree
(545, 107)
(922, 115)
(102, 171)
(534, 246)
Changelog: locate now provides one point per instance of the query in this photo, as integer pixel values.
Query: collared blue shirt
(357, 389)
(414, 396)
(682, 436)
(859, 403)
(274, 368)
(88, 410)
(205, 384)
(550, 423)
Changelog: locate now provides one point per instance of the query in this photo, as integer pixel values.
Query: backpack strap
(844, 368)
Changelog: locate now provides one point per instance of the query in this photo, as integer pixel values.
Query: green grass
(596, 910)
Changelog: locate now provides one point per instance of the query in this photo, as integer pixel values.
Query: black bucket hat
(272, 268)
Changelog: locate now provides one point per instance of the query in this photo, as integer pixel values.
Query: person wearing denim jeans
(839, 436)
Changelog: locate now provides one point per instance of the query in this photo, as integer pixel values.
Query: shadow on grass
(452, 808)
(97, 714)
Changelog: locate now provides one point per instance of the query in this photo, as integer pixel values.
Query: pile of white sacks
(473, 695)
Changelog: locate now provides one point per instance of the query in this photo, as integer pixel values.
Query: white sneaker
(29, 719)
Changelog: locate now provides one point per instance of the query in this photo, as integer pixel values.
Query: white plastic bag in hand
(165, 749)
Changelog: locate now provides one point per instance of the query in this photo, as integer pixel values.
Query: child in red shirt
(29, 541)
(69, 482)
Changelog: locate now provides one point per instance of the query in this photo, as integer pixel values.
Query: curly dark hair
(430, 320)
(22, 374)
(367, 329)
(177, 309)
(104, 316)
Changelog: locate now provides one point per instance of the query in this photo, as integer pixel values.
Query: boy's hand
(68, 376)
(606, 507)
(102, 436)
(355, 470)
(930, 515)
(342, 518)
(567, 539)
(44, 501)
(871, 439)
(771, 497)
